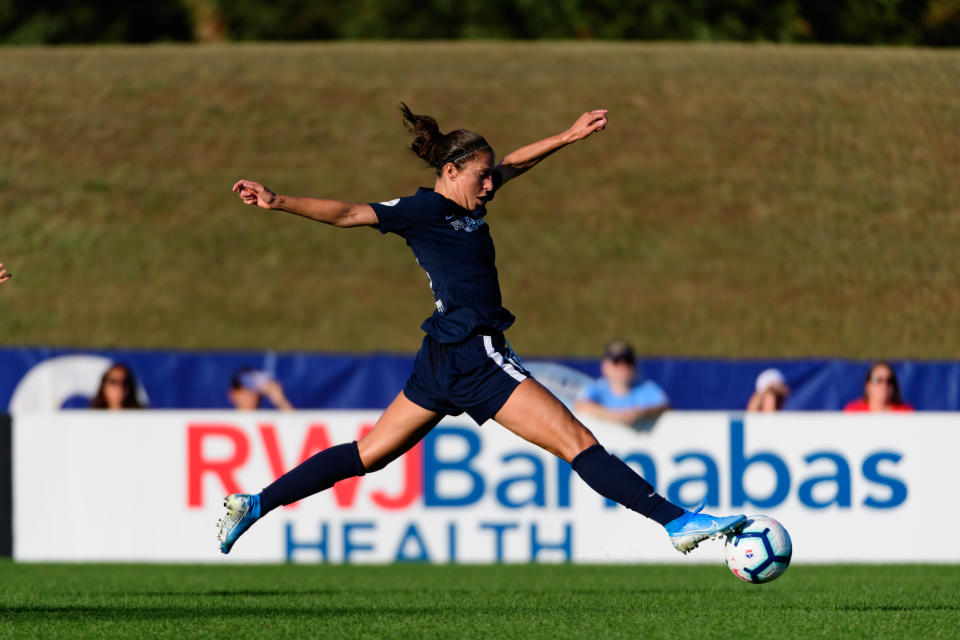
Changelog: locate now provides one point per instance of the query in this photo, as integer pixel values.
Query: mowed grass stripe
(672, 601)
(745, 201)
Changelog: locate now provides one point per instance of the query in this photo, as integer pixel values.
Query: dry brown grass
(746, 200)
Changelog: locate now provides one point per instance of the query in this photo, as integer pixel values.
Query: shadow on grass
(393, 591)
(111, 613)
(899, 607)
(238, 592)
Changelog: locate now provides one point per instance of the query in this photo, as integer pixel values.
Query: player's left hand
(4, 274)
(589, 123)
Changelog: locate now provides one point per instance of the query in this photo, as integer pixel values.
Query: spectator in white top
(770, 392)
(249, 387)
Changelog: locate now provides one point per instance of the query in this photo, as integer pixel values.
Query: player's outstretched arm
(525, 158)
(335, 212)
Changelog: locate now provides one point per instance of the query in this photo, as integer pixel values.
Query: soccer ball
(760, 552)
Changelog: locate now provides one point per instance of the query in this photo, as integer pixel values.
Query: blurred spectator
(617, 396)
(117, 390)
(770, 391)
(881, 391)
(248, 386)
(4, 274)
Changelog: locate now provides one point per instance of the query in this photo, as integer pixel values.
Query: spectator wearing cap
(770, 391)
(881, 391)
(618, 396)
(249, 386)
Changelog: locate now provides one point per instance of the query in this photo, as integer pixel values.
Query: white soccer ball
(760, 552)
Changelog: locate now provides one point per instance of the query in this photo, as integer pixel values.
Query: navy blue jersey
(454, 247)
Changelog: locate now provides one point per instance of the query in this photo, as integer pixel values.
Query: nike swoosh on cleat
(714, 526)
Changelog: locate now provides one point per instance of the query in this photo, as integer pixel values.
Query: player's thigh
(535, 414)
(401, 426)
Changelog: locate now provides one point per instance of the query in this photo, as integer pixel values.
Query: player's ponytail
(436, 148)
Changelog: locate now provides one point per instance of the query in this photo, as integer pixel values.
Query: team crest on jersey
(466, 224)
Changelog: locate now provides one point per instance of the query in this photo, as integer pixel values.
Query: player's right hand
(4, 274)
(255, 193)
(589, 123)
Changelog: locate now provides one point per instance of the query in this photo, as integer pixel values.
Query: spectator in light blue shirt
(617, 396)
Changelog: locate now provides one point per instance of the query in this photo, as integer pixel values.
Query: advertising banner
(148, 486)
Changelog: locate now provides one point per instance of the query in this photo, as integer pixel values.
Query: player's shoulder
(403, 214)
(421, 196)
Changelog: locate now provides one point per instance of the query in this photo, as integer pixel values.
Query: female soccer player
(464, 363)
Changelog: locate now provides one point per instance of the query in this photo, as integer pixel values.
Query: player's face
(476, 179)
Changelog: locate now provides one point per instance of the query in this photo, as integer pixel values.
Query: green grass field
(745, 200)
(531, 601)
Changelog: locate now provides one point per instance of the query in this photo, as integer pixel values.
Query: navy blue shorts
(476, 376)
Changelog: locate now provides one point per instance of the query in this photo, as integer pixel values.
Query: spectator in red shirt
(881, 391)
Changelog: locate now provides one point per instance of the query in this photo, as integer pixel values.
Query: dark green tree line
(905, 22)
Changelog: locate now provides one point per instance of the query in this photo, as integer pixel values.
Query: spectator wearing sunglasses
(618, 396)
(117, 390)
(881, 391)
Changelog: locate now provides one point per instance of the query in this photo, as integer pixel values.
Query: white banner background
(99, 486)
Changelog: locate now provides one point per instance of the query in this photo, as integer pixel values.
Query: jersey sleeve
(397, 215)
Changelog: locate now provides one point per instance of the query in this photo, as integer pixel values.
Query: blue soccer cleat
(693, 527)
(242, 511)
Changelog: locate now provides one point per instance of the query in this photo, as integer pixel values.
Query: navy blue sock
(313, 475)
(609, 476)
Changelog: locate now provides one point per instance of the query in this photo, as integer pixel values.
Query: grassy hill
(745, 200)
